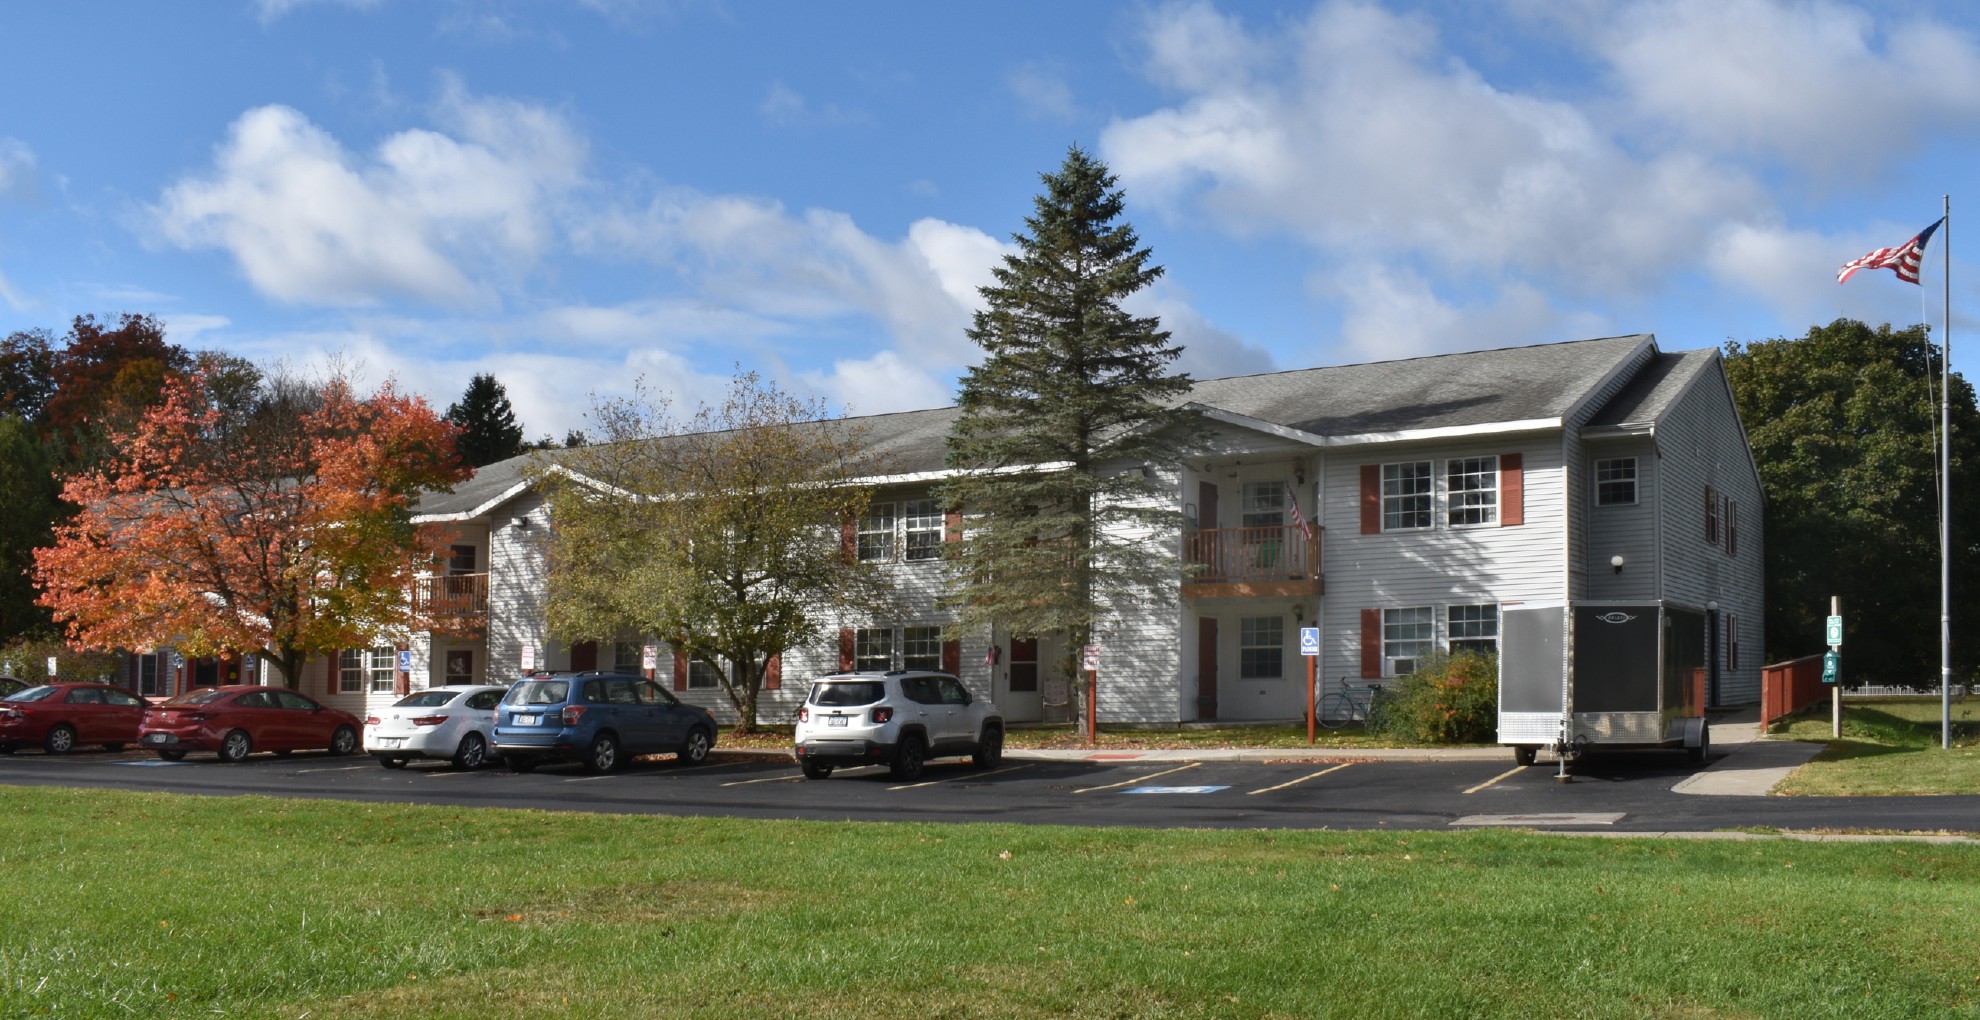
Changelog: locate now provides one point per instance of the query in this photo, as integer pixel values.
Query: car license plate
(525, 720)
(835, 720)
(391, 741)
(157, 738)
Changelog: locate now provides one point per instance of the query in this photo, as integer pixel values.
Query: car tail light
(804, 714)
(12, 713)
(572, 713)
(881, 715)
(429, 720)
(371, 720)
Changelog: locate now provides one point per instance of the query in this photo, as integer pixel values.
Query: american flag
(1902, 260)
(1292, 500)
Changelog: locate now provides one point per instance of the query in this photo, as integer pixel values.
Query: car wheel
(909, 758)
(1704, 749)
(343, 742)
(113, 748)
(989, 750)
(816, 770)
(519, 763)
(171, 755)
(604, 754)
(61, 739)
(695, 751)
(392, 763)
(1525, 755)
(235, 746)
(473, 752)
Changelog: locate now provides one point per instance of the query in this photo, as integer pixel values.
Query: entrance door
(1206, 668)
(1017, 690)
(584, 656)
(206, 673)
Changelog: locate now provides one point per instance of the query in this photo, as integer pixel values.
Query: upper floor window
(1261, 647)
(1615, 481)
(1472, 490)
(1408, 637)
(923, 518)
(1264, 504)
(1406, 495)
(1474, 629)
(876, 533)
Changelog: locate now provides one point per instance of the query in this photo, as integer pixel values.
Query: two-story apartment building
(1395, 505)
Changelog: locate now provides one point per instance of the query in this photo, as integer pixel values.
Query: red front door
(584, 656)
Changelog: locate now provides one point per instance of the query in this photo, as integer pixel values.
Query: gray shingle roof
(1443, 391)
(1651, 393)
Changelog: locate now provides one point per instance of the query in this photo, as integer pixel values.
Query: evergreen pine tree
(1071, 403)
(488, 424)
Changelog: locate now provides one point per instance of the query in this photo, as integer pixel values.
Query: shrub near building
(1451, 699)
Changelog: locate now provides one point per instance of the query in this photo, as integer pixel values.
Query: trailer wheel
(1698, 754)
(1525, 754)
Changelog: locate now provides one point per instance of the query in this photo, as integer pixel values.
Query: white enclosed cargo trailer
(1580, 675)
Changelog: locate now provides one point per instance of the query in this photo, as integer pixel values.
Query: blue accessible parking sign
(1309, 641)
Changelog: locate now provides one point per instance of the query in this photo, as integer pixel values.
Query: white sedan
(454, 723)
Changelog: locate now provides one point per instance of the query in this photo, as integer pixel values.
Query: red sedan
(61, 716)
(239, 720)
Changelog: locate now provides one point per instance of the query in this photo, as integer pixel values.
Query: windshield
(539, 692)
(32, 694)
(202, 696)
(426, 699)
(864, 692)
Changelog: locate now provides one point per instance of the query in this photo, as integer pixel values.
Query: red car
(239, 720)
(61, 716)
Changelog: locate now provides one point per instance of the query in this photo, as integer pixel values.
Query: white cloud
(1044, 91)
(885, 382)
(272, 10)
(1208, 352)
(785, 107)
(186, 329)
(1391, 313)
(308, 222)
(1818, 85)
(16, 167)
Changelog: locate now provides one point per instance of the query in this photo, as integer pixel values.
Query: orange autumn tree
(273, 518)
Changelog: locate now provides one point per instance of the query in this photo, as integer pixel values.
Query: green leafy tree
(488, 429)
(719, 534)
(28, 509)
(27, 374)
(1072, 397)
(1841, 421)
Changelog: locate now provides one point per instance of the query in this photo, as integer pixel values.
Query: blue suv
(599, 719)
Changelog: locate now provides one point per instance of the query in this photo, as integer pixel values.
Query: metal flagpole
(1945, 496)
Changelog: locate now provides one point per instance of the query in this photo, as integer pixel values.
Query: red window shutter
(1512, 489)
(680, 670)
(952, 526)
(845, 649)
(773, 672)
(952, 657)
(1371, 644)
(1371, 499)
(849, 539)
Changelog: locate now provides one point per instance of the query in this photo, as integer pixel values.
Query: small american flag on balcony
(1902, 260)
(1292, 500)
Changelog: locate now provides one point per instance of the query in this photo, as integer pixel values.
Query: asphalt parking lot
(1623, 792)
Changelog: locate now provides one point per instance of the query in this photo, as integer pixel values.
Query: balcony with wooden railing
(452, 603)
(1282, 560)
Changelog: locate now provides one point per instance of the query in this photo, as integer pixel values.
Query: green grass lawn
(121, 905)
(1888, 747)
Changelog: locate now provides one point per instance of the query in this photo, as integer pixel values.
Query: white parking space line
(347, 768)
(951, 779)
(1302, 779)
(589, 779)
(1515, 770)
(1139, 779)
(785, 779)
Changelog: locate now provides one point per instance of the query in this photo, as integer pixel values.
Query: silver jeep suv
(899, 719)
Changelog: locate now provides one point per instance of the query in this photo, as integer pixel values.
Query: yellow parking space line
(951, 779)
(1139, 779)
(1515, 770)
(1301, 779)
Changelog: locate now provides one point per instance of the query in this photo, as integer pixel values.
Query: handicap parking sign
(1309, 641)
(405, 660)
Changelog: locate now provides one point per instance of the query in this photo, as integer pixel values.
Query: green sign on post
(1831, 665)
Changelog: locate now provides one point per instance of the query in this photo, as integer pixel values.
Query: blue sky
(574, 195)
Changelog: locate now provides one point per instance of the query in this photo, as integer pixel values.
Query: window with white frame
(876, 533)
(1261, 647)
(149, 674)
(1408, 637)
(628, 656)
(873, 648)
(1615, 481)
(1264, 504)
(703, 675)
(367, 669)
(921, 648)
(1475, 629)
(922, 521)
(1471, 491)
(1406, 496)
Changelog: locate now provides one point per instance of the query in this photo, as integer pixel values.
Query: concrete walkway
(1751, 765)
